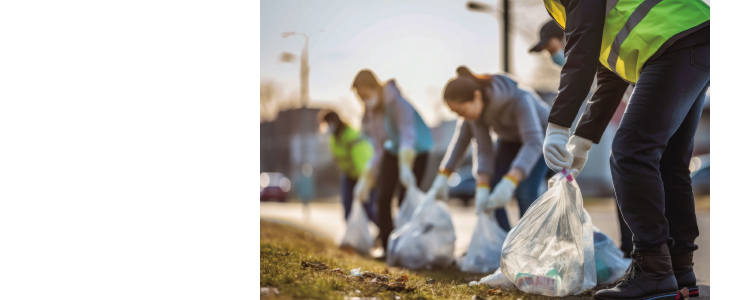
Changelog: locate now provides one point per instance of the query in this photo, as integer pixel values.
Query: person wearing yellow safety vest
(351, 152)
(662, 46)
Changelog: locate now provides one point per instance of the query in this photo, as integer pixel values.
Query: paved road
(327, 218)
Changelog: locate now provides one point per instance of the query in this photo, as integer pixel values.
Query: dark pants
(386, 186)
(347, 196)
(626, 236)
(527, 190)
(652, 149)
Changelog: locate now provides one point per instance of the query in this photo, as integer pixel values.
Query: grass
(283, 248)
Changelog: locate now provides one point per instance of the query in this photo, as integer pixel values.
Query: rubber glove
(365, 183)
(406, 158)
(440, 185)
(481, 196)
(580, 148)
(556, 154)
(503, 193)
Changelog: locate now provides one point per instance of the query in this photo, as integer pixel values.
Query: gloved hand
(364, 184)
(406, 158)
(440, 185)
(503, 193)
(580, 148)
(556, 154)
(481, 196)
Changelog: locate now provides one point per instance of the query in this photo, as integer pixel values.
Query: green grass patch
(284, 248)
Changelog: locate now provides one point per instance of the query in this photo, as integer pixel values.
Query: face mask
(371, 102)
(559, 57)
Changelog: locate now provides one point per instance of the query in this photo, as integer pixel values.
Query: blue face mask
(559, 57)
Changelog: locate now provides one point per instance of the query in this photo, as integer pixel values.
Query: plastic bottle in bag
(550, 251)
(357, 235)
(426, 241)
(485, 247)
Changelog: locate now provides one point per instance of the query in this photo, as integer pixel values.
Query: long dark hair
(366, 78)
(461, 88)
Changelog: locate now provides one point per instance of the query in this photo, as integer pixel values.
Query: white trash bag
(426, 241)
(610, 263)
(412, 199)
(485, 247)
(545, 252)
(497, 280)
(357, 235)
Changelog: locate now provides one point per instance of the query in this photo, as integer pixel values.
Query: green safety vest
(351, 152)
(634, 30)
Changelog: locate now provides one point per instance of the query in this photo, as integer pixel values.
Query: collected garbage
(610, 263)
(427, 240)
(497, 279)
(485, 247)
(412, 199)
(545, 252)
(357, 235)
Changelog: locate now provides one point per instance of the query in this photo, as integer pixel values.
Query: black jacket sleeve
(583, 33)
(603, 104)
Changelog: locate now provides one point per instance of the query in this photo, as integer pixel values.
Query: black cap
(549, 30)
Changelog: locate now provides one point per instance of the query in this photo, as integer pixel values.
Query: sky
(419, 43)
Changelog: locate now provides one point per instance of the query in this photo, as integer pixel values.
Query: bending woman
(401, 141)
(519, 118)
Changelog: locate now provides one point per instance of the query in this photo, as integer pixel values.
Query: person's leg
(678, 190)
(371, 207)
(663, 97)
(387, 180)
(419, 168)
(626, 236)
(504, 155)
(528, 189)
(347, 194)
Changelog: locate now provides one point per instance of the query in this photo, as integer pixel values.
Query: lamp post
(504, 26)
(304, 69)
(304, 73)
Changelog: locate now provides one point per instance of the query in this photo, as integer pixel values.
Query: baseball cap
(549, 30)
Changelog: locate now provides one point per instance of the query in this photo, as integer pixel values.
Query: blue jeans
(347, 196)
(527, 190)
(652, 149)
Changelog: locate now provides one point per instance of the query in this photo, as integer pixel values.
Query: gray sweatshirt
(516, 115)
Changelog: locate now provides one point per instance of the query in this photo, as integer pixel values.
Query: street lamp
(304, 69)
(504, 26)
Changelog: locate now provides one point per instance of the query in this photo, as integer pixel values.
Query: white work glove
(440, 186)
(579, 147)
(556, 154)
(406, 158)
(364, 184)
(502, 194)
(481, 196)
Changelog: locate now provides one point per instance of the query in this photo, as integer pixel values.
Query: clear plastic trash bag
(485, 247)
(412, 199)
(426, 241)
(357, 234)
(545, 252)
(610, 263)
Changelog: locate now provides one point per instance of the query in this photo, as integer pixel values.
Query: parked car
(462, 184)
(274, 187)
(701, 177)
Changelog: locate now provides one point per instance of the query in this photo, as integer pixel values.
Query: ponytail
(461, 88)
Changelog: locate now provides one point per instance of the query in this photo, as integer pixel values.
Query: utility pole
(503, 21)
